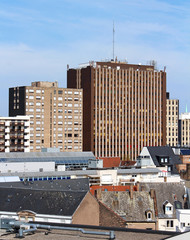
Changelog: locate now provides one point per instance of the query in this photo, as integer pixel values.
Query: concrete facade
(124, 107)
(184, 129)
(172, 117)
(55, 115)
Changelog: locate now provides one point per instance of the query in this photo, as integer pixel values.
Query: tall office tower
(55, 115)
(15, 134)
(184, 129)
(172, 118)
(124, 107)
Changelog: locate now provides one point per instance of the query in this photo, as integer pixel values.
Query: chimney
(138, 186)
(152, 193)
(131, 191)
(188, 171)
(98, 193)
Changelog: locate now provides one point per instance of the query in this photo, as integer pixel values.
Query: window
(170, 223)
(168, 208)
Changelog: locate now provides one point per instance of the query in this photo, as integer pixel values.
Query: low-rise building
(183, 216)
(159, 157)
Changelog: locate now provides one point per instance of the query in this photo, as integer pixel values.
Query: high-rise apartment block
(172, 118)
(55, 115)
(124, 107)
(15, 134)
(184, 129)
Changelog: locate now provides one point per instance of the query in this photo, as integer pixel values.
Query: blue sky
(39, 38)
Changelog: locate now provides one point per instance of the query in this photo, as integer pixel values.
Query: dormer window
(163, 159)
(148, 214)
(168, 208)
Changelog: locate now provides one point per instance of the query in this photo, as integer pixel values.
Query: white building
(183, 216)
(15, 134)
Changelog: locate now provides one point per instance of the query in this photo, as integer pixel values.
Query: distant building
(184, 129)
(55, 115)
(15, 134)
(159, 157)
(172, 117)
(124, 107)
(44, 161)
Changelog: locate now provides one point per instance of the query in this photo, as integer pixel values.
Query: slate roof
(62, 203)
(171, 192)
(81, 184)
(164, 151)
(134, 208)
(185, 151)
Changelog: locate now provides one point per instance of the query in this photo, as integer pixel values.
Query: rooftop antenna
(186, 108)
(113, 39)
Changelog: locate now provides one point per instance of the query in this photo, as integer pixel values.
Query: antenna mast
(113, 39)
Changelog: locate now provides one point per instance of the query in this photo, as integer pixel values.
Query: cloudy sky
(38, 38)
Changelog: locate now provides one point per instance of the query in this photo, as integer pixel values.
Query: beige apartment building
(172, 118)
(184, 129)
(55, 115)
(124, 107)
(15, 134)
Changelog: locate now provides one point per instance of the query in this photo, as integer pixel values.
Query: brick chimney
(138, 186)
(131, 191)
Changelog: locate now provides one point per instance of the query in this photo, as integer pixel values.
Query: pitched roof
(185, 151)
(133, 209)
(49, 202)
(164, 151)
(171, 192)
(81, 184)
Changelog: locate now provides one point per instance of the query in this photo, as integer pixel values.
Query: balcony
(7, 130)
(7, 144)
(7, 124)
(7, 137)
(26, 144)
(27, 130)
(27, 124)
(26, 137)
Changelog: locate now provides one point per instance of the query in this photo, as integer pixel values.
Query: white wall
(145, 161)
(27, 167)
(108, 177)
(40, 217)
(60, 167)
(183, 216)
(162, 224)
